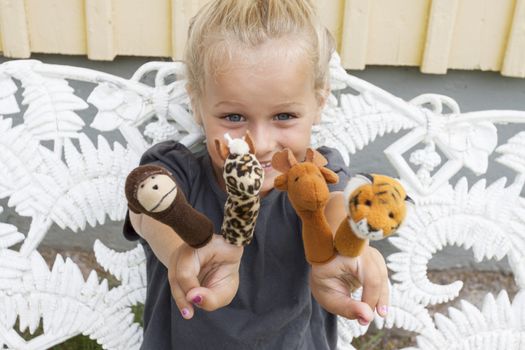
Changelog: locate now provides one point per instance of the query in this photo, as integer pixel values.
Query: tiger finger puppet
(152, 190)
(375, 207)
(243, 176)
(306, 184)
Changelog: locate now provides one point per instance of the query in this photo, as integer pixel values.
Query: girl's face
(268, 90)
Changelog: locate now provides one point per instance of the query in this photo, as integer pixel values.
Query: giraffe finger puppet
(375, 207)
(243, 176)
(152, 190)
(306, 184)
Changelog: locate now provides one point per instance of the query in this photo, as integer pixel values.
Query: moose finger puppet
(243, 176)
(375, 207)
(306, 184)
(152, 190)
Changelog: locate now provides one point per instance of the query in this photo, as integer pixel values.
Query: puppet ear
(249, 141)
(329, 175)
(283, 161)
(281, 182)
(222, 149)
(315, 157)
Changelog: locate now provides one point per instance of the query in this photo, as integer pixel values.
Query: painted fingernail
(185, 312)
(383, 310)
(197, 299)
(362, 321)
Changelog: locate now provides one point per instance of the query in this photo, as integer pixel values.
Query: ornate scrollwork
(75, 182)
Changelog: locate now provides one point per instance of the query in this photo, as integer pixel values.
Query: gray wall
(472, 90)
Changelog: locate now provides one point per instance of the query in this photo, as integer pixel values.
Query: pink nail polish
(362, 321)
(185, 312)
(197, 299)
(383, 310)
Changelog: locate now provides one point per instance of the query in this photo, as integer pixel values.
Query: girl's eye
(283, 116)
(234, 118)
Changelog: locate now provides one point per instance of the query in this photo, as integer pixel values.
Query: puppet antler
(283, 161)
(249, 141)
(315, 157)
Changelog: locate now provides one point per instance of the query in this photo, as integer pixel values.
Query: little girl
(259, 66)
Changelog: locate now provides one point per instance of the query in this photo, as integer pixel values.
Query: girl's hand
(332, 283)
(207, 277)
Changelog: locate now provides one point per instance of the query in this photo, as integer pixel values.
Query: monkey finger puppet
(375, 207)
(152, 190)
(243, 176)
(306, 184)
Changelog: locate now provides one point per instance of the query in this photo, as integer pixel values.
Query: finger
(373, 279)
(185, 308)
(384, 297)
(343, 305)
(187, 270)
(213, 298)
(384, 300)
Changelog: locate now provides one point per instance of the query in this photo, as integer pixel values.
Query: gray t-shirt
(273, 308)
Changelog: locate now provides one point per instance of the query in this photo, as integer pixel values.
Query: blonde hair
(223, 25)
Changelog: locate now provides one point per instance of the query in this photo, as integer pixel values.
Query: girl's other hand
(207, 277)
(331, 284)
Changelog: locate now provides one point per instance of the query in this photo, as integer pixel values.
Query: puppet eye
(153, 177)
(142, 186)
(297, 178)
(368, 202)
(391, 215)
(155, 187)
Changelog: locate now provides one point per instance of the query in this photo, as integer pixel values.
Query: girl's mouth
(267, 166)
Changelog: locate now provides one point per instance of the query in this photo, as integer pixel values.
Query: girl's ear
(322, 97)
(194, 106)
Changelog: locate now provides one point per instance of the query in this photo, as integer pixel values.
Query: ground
(476, 285)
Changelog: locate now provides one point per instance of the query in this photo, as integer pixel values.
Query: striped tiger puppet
(375, 207)
(243, 176)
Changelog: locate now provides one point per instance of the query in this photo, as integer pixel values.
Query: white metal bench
(51, 172)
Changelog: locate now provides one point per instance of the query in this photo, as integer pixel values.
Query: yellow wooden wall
(435, 35)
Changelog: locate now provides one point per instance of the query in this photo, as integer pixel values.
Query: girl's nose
(263, 137)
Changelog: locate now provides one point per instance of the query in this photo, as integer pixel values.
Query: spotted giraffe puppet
(244, 176)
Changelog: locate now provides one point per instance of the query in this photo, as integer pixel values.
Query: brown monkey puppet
(306, 184)
(152, 190)
(375, 206)
(243, 176)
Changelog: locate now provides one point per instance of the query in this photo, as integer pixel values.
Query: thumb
(213, 298)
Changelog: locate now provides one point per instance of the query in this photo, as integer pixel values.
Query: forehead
(278, 65)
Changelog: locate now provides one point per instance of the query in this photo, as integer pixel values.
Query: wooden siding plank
(331, 15)
(439, 36)
(99, 30)
(182, 12)
(496, 29)
(397, 32)
(354, 41)
(514, 61)
(13, 29)
(142, 27)
(57, 26)
(480, 34)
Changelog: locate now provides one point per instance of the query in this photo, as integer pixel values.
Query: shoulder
(337, 164)
(167, 151)
(176, 158)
